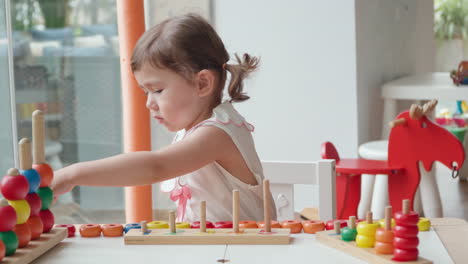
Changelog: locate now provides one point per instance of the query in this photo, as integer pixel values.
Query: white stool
(374, 189)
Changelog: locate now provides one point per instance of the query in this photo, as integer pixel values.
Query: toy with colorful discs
(366, 232)
(349, 232)
(384, 236)
(225, 233)
(406, 243)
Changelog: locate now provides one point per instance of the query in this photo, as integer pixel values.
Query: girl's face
(171, 99)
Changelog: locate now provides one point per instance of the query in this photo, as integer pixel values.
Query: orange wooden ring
(295, 226)
(90, 230)
(112, 230)
(383, 248)
(36, 226)
(247, 224)
(385, 236)
(312, 226)
(23, 233)
(274, 224)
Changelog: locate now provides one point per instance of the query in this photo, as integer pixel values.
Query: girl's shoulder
(226, 114)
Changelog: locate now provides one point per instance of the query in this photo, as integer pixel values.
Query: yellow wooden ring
(183, 225)
(22, 210)
(157, 225)
(424, 224)
(366, 229)
(382, 223)
(365, 241)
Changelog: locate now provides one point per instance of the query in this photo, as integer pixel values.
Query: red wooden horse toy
(413, 139)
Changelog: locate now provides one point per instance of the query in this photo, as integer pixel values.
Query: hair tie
(224, 66)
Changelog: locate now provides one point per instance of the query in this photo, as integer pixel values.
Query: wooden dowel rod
(25, 154)
(235, 211)
(172, 224)
(396, 122)
(337, 227)
(13, 172)
(369, 218)
(388, 218)
(38, 139)
(406, 206)
(203, 216)
(352, 222)
(266, 205)
(144, 227)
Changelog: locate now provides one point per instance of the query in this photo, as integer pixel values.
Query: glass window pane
(6, 139)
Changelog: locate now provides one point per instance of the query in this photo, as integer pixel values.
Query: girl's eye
(158, 91)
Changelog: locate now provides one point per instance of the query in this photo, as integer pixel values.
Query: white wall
(305, 90)
(393, 38)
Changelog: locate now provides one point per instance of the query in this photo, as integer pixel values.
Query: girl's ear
(206, 81)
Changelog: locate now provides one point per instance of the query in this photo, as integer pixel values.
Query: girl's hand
(62, 182)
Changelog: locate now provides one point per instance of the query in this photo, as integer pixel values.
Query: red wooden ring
(405, 254)
(90, 230)
(312, 226)
(48, 220)
(112, 230)
(405, 231)
(223, 224)
(410, 219)
(196, 224)
(2, 250)
(295, 226)
(34, 202)
(330, 225)
(273, 224)
(406, 243)
(248, 224)
(71, 229)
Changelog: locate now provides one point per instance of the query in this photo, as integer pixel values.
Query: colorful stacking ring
(71, 229)
(23, 233)
(382, 223)
(330, 225)
(424, 224)
(132, 226)
(183, 225)
(35, 225)
(90, 230)
(196, 224)
(273, 224)
(223, 224)
(295, 226)
(112, 230)
(157, 225)
(312, 226)
(248, 224)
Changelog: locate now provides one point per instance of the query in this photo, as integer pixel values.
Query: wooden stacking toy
(384, 236)
(406, 234)
(366, 232)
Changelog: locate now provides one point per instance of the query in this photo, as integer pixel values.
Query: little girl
(181, 65)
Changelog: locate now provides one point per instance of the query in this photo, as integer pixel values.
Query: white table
(303, 248)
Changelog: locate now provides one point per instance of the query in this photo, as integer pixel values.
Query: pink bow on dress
(183, 195)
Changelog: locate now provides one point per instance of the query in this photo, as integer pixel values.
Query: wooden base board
(37, 247)
(254, 236)
(329, 238)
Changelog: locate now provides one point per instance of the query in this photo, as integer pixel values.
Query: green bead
(47, 197)
(10, 240)
(348, 234)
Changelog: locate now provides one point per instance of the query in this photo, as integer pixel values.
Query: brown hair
(188, 44)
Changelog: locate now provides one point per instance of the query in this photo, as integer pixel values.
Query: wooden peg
(235, 211)
(172, 221)
(388, 218)
(266, 205)
(397, 122)
(337, 227)
(13, 172)
(144, 227)
(369, 218)
(416, 112)
(38, 137)
(406, 206)
(25, 154)
(203, 216)
(352, 222)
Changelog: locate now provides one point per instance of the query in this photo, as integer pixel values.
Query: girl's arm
(200, 148)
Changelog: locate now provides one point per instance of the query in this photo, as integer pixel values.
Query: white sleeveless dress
(213, 184)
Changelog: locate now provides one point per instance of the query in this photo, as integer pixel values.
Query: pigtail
(239, 72)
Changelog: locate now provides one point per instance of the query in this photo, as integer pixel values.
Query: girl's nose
(151, 103)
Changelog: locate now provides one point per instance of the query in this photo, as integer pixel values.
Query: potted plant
(451, 32)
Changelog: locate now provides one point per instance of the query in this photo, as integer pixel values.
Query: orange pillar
(136, 119)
